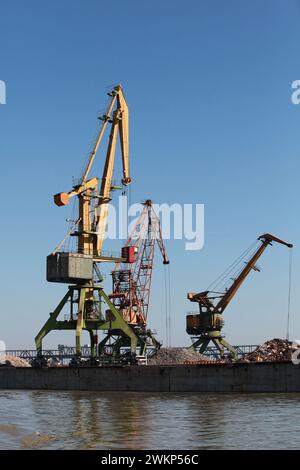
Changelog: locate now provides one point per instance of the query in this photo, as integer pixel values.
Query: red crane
(131, 283)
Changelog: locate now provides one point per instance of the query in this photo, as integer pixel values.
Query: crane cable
(166, 307)
(93, 139)
(225, 274)
(167, 277)
(235, 273)
(68, 245)
(289, 294)
(169, 292)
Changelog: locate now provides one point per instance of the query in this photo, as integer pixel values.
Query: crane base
(201, 344)
(121, 338)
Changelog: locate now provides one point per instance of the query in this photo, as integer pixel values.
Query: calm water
(91, 420)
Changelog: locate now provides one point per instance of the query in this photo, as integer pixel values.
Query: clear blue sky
(208, 84)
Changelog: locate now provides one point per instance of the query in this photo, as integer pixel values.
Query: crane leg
(50, 324)
(79, 324)
(142, 346)
(154, 341)
(119, 324)
(221, 343)
(219, 346)
(92, 341)
(102, 344)
(229, 347)
(118, 344)
(202, 342)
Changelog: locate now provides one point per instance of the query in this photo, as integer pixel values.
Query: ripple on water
(98, 420)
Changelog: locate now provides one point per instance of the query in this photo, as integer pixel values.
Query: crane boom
(266, 240)
(91, 241)
(160, 239)
(119, 123)
(122, 117)
(105, 120)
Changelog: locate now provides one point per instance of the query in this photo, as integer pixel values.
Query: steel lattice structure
(132, 282)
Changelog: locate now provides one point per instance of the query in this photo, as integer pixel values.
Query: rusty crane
(131, 283)
(206, 326)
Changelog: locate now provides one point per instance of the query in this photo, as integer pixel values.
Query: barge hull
(239, 378)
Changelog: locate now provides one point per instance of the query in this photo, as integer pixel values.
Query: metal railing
(64, 353)
(242, 349)
(67, 352)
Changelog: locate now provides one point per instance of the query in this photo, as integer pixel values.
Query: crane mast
(206, 326)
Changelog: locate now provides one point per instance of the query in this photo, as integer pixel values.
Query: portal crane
(80, 269)
(132, 282)
(206, 326)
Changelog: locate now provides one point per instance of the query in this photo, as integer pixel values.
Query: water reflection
(98, 420)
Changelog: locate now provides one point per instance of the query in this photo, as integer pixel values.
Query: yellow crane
(80, 269)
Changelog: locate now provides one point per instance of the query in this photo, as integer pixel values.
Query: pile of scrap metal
(272, 351)
(12, 361)
(176, 356)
